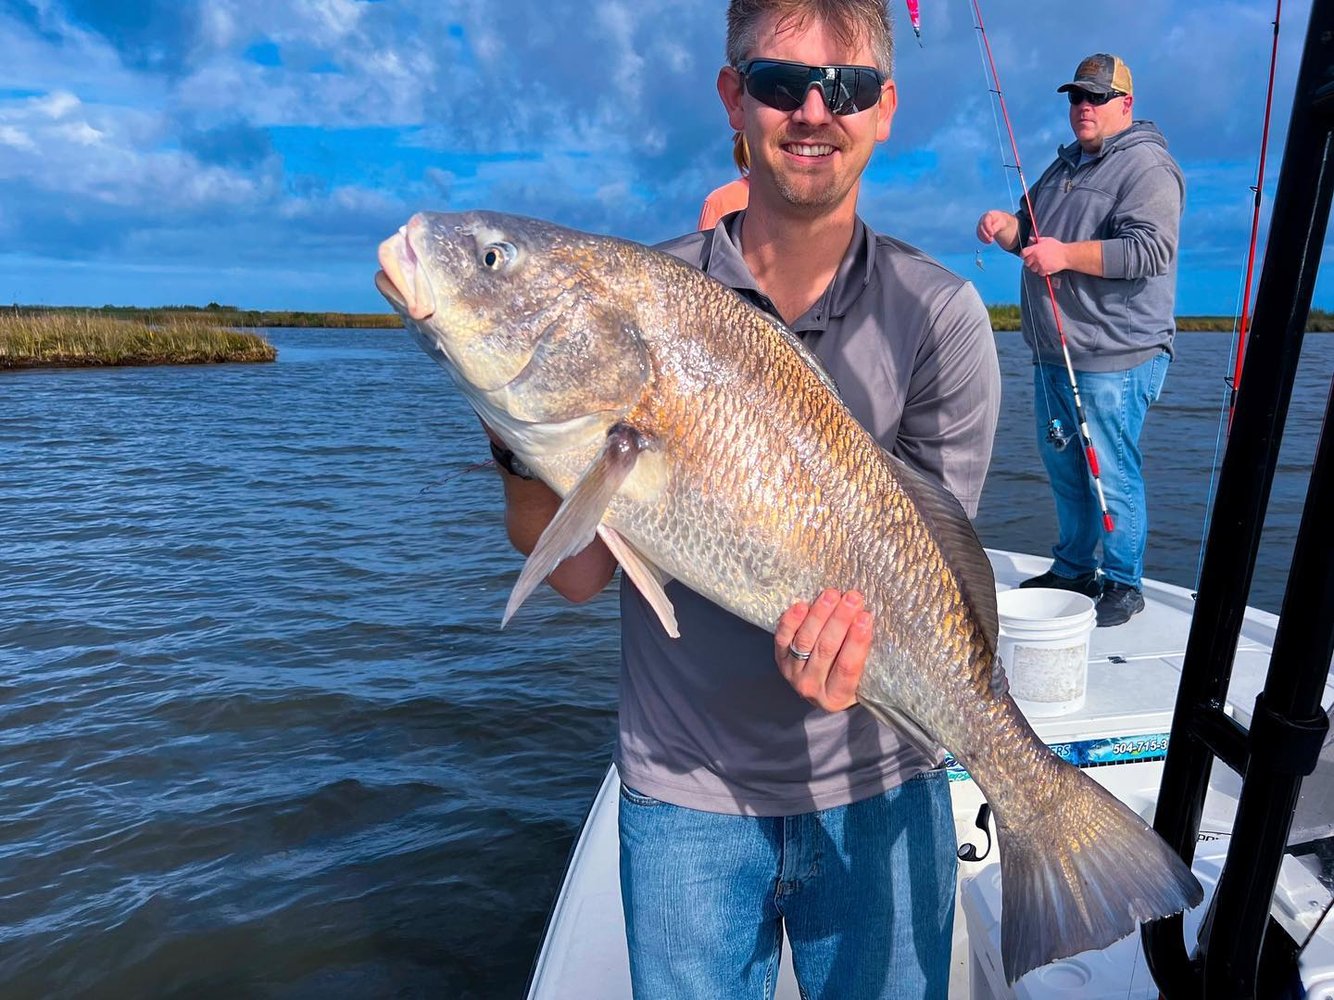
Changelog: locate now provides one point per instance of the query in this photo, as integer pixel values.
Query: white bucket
(1044, 646)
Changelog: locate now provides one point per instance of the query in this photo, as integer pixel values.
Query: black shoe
(1087, 584)
(1118, 604)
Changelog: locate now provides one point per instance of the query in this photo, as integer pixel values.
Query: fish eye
(496, 255)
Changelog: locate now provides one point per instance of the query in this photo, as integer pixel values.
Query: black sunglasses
(784, 85)
(1078, 97)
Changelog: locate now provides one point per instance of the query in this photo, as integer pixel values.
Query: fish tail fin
(1084, 878)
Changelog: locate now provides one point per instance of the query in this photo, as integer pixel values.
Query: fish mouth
(386, 287)
(401, 278)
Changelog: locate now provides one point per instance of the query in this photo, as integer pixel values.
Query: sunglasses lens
(1078, 97)
(783, 86)
(779, 85)
(863, 88)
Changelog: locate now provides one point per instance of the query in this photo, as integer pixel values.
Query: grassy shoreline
(82, 339)
(220, 316)
(1004, 317)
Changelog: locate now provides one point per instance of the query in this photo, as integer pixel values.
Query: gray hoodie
(1130, 197)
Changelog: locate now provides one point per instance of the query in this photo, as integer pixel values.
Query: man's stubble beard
(802, 196)
(799, 192)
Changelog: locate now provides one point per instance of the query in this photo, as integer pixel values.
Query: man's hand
(1046, 256)
(530, 504)
(836, 632)
(998, 227)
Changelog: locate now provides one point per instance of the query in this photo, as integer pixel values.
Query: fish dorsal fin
(646, 576)
(958, 542)
(576, 521)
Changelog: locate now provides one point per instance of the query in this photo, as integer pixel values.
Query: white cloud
(64, 57)
(618, 23)
(16, 138)
(330, 21)
(57, 104)
(603, 117)
(219, 26)
(80, 134)
(76, 162)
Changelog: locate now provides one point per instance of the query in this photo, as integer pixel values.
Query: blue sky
(183, 151)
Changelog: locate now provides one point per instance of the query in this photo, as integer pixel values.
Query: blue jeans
(1115, 404)
(866, 892)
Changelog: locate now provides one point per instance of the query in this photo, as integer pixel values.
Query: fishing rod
(1055, 433)
(915, 18)
(1235, 382)
(1240, 332)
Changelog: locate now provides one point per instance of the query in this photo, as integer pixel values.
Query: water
(1178, 444)
(259, 732)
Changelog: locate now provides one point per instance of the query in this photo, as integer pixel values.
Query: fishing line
(1255, 219)
(1309, 937)
(1000, 145)
(473, 467)
(1134, 968)
(915, 19)
(1329, 736)
(1240, 327)
(995, 119)
(1056, 434)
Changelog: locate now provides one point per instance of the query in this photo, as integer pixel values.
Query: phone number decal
(1093, 753)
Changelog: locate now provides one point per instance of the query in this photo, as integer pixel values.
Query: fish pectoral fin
(576, 522)
(907, 725)
(646, 576)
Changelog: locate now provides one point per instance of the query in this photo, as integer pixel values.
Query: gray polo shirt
(706, 720)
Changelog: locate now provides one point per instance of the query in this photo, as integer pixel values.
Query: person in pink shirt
(733, 196)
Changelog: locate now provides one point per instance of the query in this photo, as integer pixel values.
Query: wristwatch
(510, 462)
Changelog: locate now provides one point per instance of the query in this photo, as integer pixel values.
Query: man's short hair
(852, 22)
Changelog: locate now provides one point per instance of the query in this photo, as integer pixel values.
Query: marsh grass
(68, 340)
(1007, 317)
(228, 316)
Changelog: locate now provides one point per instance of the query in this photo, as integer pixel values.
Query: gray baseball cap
(1100, 73)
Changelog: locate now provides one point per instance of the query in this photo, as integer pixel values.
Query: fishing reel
(1056, 434)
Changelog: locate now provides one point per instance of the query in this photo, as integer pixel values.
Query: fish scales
(810, 501)
(700, 439)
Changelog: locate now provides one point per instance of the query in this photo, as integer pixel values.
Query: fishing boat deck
(1120, 735)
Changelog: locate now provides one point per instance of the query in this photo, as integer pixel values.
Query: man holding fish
(757, 799)
(785, 407)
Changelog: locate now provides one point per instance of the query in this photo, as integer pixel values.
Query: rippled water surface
(260, 733)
